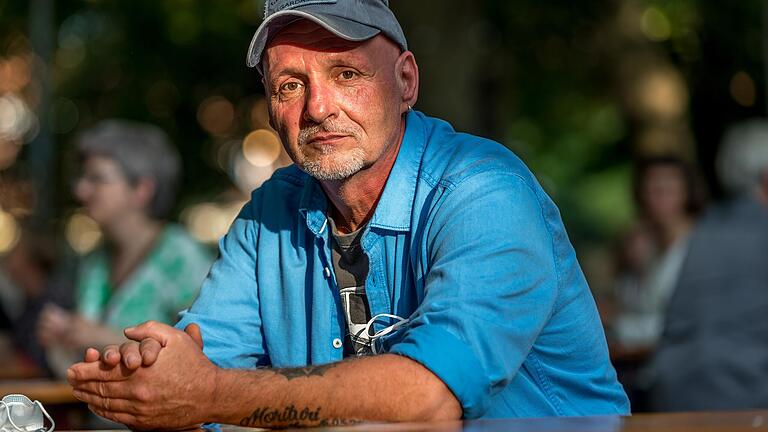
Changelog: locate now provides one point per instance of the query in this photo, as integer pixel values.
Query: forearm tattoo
(339, 422)
(291, 416)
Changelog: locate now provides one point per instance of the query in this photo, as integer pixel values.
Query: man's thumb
(193, 330)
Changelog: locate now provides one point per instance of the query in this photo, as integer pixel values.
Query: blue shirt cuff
(452, 361)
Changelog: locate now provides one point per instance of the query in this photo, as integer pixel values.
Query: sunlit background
(576, 89)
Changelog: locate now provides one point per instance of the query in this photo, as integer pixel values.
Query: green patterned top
(165, 283)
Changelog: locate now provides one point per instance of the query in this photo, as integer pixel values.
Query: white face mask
(19, 414)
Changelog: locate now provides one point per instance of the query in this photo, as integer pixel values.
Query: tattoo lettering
(302, 372)
(290, 414)
(339, 422)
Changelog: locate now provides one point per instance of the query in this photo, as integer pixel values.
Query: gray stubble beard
(352, 162)
(330, 165)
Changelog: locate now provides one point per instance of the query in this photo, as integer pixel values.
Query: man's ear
(407, 76)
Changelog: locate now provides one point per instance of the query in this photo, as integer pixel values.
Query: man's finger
(88, 391)
(111, 355)
(81, 372)
(150, 349)
(193, 330)
(107, 404)
(92, 355)
(150, 329)
(131, 355)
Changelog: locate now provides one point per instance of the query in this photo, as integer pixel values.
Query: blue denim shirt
(463, 242)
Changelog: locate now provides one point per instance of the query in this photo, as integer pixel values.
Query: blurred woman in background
(669, 197)
(146, 268)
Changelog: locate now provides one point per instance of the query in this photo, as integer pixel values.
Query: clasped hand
(160, 379)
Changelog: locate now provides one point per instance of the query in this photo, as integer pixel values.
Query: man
(435, 255)
(713, 353)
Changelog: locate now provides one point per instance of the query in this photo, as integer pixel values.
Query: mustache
(307, 133)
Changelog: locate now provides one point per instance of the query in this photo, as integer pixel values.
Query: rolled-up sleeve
(227, 308)
(490, 286)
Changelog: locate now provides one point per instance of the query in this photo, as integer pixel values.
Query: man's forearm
(379, 388)
(182, 388)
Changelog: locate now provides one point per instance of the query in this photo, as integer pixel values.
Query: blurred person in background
(669, 197)
(713, 353)
(147, 268)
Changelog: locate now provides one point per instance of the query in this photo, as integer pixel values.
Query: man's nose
(321, 103)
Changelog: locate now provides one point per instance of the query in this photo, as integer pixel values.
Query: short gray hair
(743, 156)
(142, 151)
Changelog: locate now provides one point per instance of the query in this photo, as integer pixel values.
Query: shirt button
(337, 343)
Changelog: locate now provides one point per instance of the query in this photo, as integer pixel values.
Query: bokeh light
(71, 52)
(82, 233)
(9, 232)
(655, 24)
(216, 115)
(16, 119)
(260, 154)
(662, 94)
(208, 222)
(261, 148)
(248, 177)
(14, 74)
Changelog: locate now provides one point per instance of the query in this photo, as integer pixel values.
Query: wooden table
(682, 422)
(46, 391)
(743, 421)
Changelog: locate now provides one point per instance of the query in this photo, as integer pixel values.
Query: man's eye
(347, 75)
(290, 87)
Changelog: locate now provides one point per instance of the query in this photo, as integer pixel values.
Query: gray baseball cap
(354, 20)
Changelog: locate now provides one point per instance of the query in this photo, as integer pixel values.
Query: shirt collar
(313, 205)
(393, 211)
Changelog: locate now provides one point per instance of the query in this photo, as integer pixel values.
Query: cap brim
(353, 31)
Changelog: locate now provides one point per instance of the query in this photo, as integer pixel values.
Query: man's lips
(326, 138)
